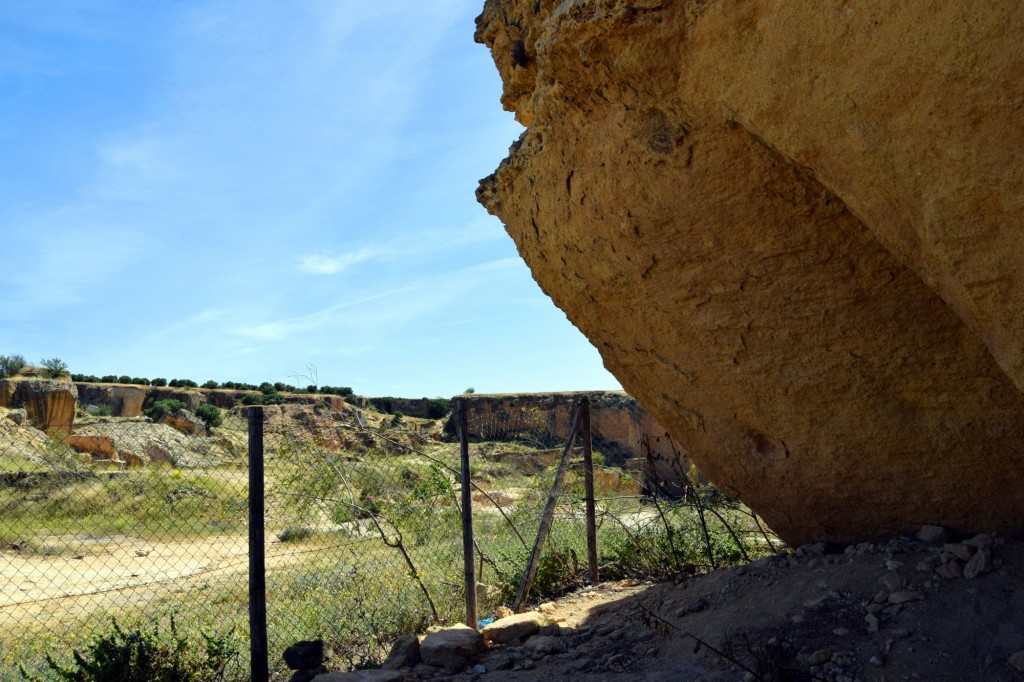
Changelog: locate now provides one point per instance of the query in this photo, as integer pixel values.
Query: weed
(143, 655)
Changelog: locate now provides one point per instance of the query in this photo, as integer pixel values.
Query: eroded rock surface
(50, 404)
(794, 234)
(622, 429)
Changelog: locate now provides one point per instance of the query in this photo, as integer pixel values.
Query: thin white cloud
(324, 264)
(422, 243)
(377, 313)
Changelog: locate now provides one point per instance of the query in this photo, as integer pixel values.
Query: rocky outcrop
(123, 401)
(187, 423)
(621, 428)
(101, 447)
(802, 251)
(139, 442)
(128, 400)
(50, 404)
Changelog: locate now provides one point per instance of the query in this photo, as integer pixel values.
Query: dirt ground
(899, 610)
(105, 572)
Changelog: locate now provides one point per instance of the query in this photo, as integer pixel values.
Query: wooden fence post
(588, 482)
(467, 516)
(259, 666)
(549, 513)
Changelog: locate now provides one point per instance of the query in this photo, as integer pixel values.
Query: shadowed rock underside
(801, 250)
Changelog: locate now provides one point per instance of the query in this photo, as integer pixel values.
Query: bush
(210, 414)
(101, 410)
(54, 368)
(109, 379)
(124, 379)
(162, 408)
(145, 656)
(439, 407)
(159, 381)
(210, 384)
(11, 365)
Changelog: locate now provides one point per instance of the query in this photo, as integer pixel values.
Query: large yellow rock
(795, 233)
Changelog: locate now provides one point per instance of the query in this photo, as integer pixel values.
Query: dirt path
(107, 572)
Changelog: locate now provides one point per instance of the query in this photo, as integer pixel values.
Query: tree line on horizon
(265, 387)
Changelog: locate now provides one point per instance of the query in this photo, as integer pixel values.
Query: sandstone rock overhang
(794, 233)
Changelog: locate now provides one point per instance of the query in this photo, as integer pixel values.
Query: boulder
(405, 652)
(452, 647)
(187, 423)
(518, 626)
(94, 445)
(305, 655)
(801, 251)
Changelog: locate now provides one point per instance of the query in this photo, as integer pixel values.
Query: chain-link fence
(652, 513)
(143, 524)
(120, 520)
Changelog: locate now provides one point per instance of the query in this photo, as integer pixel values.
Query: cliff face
(50, 404)
(619, 425)
(129, 400)
(801, 250)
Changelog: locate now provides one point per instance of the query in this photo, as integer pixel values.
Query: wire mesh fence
(144, 523)
(122, 520)
(654, 515)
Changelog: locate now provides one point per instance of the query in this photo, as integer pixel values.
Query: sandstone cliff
(619, 425)
(50, 404)
(128, 400)
(794, 233)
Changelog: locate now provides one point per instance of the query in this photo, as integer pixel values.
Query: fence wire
(654, 514)
(143, 522)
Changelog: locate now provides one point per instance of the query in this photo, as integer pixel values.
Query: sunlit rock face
(50, 405)
(795, 233)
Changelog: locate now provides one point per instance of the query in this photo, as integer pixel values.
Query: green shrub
(160, 409)
(210, 414)
(439, 407)
(159, 381)
(54, 368)
(101, 410)
(210, 384)
(145, 656)
(11, 365)
(296, 533)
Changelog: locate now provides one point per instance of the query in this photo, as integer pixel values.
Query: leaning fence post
(549, 513)
(467, 515)
(259, 666)
(588, 482)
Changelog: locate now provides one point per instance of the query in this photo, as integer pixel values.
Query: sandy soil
(106, 572)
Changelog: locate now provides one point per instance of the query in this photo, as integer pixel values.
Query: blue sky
(234, 190)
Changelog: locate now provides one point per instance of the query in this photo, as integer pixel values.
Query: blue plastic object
(483, 622)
